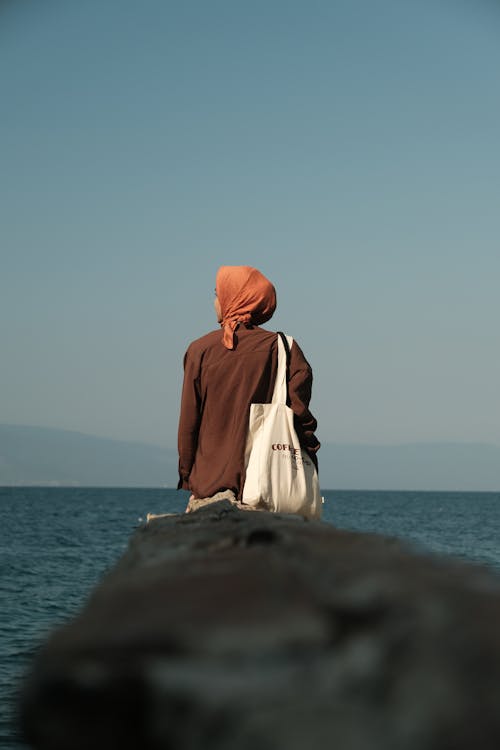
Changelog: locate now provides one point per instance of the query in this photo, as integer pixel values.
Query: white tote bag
(280, 475)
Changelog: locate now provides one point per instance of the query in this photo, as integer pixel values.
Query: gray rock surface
(228, 630)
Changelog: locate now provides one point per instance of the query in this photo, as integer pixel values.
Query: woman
(224, 374)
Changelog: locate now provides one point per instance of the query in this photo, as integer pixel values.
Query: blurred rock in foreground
(230, 630)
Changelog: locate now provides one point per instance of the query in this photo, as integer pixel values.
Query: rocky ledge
(230, 630)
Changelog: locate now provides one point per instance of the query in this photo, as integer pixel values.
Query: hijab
(245, 296)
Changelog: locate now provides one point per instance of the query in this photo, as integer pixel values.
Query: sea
(57, 542)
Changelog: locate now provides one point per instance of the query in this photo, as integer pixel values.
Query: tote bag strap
(280, 386)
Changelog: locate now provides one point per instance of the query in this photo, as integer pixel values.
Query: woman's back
(219, 386)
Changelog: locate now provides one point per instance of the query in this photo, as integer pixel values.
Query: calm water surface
(55, 544)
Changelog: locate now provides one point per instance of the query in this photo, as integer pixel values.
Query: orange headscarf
(245, 296)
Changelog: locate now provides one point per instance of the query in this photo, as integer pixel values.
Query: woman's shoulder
(249, 338)
(204, 342)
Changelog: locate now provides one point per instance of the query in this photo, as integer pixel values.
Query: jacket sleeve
(189, 420)
(299, 391)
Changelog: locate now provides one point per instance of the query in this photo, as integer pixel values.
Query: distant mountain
(412, 466)
(39, 455)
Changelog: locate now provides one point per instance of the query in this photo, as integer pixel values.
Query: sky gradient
(350, 150)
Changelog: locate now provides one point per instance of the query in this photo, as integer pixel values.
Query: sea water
(56, 543)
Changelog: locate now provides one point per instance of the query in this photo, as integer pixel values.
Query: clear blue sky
(350, 150)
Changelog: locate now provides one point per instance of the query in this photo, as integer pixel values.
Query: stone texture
(227, 630)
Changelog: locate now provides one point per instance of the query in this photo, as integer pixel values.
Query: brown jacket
(219, 386)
